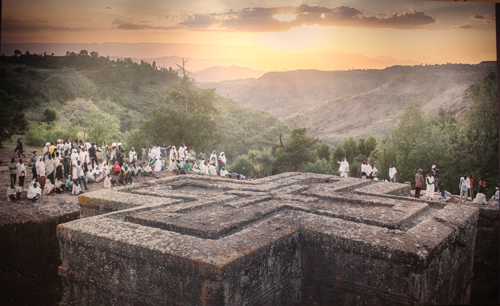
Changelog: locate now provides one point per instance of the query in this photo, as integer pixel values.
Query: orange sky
(265, 34)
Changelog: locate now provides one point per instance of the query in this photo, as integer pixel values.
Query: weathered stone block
(289, 239)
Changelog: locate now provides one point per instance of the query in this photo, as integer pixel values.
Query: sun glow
(284, 17)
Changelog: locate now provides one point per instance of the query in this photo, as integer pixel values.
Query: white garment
(132, 155)
(74, 156)
(107, 182)
(74, 172)
(213, 158)
(173, 153)
(464, 186)
(90, 176)
(48, 188)
(429, 191)
(49, 166)
(158, 165)
(392, 172)
(20, 169)
(222, 157)
(344, 167)
(34, 190)
(203, 168)
(84, 157)
(76, 189)
(40, 167)
(211, 170)
(366, 169)
(223, 172)
(171, 165)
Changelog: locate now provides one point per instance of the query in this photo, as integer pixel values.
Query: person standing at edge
(419, 181)
(12, 170)
(435, 174)
(33, 160)
(392, 174)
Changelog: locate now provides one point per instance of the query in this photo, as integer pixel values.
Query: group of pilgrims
(69, 167)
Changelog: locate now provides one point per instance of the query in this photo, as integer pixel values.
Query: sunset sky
(289, 32)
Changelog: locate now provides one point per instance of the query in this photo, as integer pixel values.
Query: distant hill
(218, 74)
(334, 105)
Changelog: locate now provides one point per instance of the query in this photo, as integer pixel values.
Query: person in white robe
(34, 191)
(344, 167)
(158, 165)
(74, 155)
(107, 182)
(132, 155)
(172, 165)
(374, 173)
(147, 170)
(90, 176)
(213, 158)
(48, 188)
(393, 173)
(203, 168)
(366, 170)
(429, 191)
(77, 189)
(211, 169)
(173, 153)
(222, 160)
(223, 172)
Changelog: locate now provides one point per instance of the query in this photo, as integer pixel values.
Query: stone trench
(289, 239)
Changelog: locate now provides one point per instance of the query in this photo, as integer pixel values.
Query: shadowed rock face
(289, 239)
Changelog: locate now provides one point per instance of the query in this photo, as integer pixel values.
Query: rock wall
(29, 256)
(289, 239)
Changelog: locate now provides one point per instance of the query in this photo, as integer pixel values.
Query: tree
(102, 126)
(76, 112)
(338, 153)
(17, 53)
(323, 151)
(370, 144)
(351, 149)
(49, 115)
(319, 166)
(12, 118)
(299, 151)
(266, 162)
(242, 165)
(83, 53)
(94, 54)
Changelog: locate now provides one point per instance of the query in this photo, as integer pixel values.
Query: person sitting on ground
(443, 194)
(148, 171)
(125, 177)
(76, 190)
(58, 186)
(69, 184)
(116, 168)
(34, 191)
(107, 182)
(90, 176)
(188, 165)
(48, 188)
(13, 192)
(223, 172)
(211, 169)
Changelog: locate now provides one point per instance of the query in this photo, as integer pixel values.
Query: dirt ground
(46, 205)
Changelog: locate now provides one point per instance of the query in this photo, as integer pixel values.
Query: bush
(41, 132)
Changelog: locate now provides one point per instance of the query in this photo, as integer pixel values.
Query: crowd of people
(70, 167)
(467, 186)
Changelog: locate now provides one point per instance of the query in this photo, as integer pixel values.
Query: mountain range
(334, 105)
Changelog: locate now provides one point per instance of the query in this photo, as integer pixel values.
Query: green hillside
(128, 90)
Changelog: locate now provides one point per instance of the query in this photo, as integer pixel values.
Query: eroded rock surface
(290, 239)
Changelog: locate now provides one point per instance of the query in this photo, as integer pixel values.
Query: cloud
(466, 26)
(481, 17)
(262, 19)
(122, 24)
(18, 25)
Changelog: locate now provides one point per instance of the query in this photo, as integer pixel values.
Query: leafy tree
(49, 115)
(83, 53)
(17, 53)
(12, 118)
(351, 149)
(266, 162)
(252, 155)
(242, 165)
(321, 166)
(369, 144)
(94, 54)
(171, 125)
(299, 151)
(338, 153)
(102, 126)
(361, 147)
(323, 151)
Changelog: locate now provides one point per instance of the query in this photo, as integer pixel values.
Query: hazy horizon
(261, 35)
